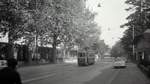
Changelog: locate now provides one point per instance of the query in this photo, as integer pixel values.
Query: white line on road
(38, 78)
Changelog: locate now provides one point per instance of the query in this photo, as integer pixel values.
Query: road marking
(38, 78)
(113, 77)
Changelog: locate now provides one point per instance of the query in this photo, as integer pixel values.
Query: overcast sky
(110, 16)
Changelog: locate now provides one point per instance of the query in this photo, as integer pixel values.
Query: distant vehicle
(3, 64)
(86, 58)
(119, 63)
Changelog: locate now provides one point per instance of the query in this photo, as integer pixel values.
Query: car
(3, 63)
(119, 63)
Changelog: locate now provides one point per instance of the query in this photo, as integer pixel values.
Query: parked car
(119, 63)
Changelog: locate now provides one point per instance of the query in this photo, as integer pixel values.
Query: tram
(86, 58)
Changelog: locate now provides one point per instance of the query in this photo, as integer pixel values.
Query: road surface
(129, 75)
(100, 73)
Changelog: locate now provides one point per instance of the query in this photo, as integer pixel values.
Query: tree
(87, 30)
(58, 24)
(11, 19)
(138, 21)
(48, 22)
(117, 50)
(100, 48)
(36, 14)
(70, 24)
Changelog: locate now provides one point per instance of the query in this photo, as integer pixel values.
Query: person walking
(9, 74)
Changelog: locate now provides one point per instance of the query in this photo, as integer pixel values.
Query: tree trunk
(30, 56)
(64, 51)
(54, 50)
(11, 44)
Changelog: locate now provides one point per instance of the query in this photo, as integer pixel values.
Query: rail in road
(61, 72)
(38, 72)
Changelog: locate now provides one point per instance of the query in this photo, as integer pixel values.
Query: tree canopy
(138, 21)
(51, 22)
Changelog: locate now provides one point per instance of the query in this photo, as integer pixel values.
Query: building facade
(142, 48)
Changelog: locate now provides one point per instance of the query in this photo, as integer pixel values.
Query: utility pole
(141, 25)
(133, 28)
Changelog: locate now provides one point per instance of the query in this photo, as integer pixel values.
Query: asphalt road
(129, 75)
(100, 73)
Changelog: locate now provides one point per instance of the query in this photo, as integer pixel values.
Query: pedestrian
(9, 74)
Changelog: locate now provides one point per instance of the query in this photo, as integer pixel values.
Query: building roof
(137, 38)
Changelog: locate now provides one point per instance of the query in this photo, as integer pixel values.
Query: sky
(110, 16)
